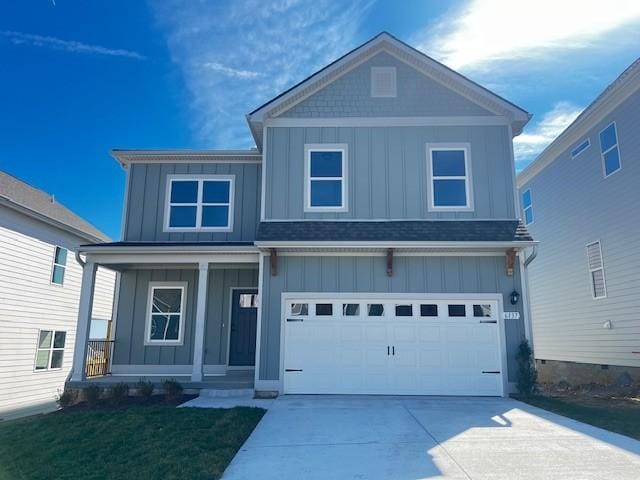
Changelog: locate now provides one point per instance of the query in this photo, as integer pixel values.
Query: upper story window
(596, 270)
(199, 203)
(580, 148)
(527, 206)
(609, 150)
(165, 313)
(383, 82)
(450, 178)
(59, 265)
(326, 172)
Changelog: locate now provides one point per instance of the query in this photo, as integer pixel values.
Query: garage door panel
(403, 355)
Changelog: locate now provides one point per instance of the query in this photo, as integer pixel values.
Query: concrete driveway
(327, 437)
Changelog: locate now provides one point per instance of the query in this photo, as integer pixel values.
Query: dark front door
(244, 318)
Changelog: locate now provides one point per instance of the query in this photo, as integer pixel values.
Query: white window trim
(50, 349)
(199, 204)
(376, 70)
(147, 329)
(325, 147)
(602, 154)
(591, 270)
(579, 144)
(54, 264)
(525, 208)
(468, 178)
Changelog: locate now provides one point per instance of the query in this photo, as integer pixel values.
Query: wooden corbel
(274, 262)
(510, 260)
(390, 262)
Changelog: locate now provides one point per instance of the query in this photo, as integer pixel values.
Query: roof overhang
(517, 116)
(127, 157)
(400, 246)
(173, 249)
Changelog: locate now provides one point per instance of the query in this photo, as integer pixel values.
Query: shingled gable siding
(146, 203)
(368, 275)
(417, 95)
(387, 171)
(574, 206)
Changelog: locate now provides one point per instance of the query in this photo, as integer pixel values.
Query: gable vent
(383, 82)
(596, 270)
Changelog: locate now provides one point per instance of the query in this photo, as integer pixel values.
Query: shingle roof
(395, 231)
(19, 194)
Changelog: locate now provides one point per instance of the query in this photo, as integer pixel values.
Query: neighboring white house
(39, 294)
(581, 200)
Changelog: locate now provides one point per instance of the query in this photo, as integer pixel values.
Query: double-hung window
(527, 206)
(165, 313)
(450, 178)
(199, 203)
(50, 350)
(596, 270)
(609, 150)
(326, 172)
(59, 265)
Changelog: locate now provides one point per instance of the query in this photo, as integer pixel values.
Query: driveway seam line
(437, 442)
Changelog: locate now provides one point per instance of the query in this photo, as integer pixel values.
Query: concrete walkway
(329, 437)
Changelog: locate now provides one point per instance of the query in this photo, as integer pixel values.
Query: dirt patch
(594, 394)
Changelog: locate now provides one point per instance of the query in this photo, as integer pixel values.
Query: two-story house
(370, 244)
(580, 200)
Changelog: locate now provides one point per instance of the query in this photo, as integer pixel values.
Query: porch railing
(98, 358)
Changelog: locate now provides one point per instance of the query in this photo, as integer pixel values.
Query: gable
(417, 95)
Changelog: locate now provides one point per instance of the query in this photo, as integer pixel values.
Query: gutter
(166, 249)
(532, 257)
(391, 244)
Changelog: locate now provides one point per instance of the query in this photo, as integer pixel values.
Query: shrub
(118, 392)
(527, 374)
(144, 389)
(91, 394)
(172, 390)
(66, 398)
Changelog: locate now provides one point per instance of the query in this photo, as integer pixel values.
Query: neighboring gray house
(581, 200)
(369, 245)
(39, 293)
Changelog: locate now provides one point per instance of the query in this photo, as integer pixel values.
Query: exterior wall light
(515, 296)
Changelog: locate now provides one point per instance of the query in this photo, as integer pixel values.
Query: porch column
(84, 320)
(201, 305)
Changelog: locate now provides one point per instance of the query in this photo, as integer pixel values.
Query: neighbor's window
(609, 150)
(59, 265)
(580, 148)
(596, 270)
(50, 351)
(200, 203)
(326, 172)
(450, 179)
(527, 206)
(165, 320)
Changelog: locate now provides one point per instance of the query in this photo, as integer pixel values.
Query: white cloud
(237, 55)
(530, 143)
(484, 31)
(20, 38)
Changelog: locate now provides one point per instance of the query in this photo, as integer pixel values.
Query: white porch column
(84, 321)
(201, 305)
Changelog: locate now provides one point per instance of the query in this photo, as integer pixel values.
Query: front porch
(185, 312)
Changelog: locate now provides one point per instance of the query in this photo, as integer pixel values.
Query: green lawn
(617, 417)
(157, 442)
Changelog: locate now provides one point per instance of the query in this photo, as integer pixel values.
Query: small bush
(91, 394)
(118, 392)
(144, 389)
(66, 398)
(172, 390)
(527, 374)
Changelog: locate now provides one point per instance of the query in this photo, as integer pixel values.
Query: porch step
(226, 393)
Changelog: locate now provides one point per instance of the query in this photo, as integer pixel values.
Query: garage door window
(404, 310)
(299, 309)
(457, 311)
(482, 310)
(350, 309)
(324, 309)
(428, 310)
(375, 309)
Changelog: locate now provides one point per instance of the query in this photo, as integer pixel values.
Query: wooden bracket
(511, 260)
(274, 262)
(390, 262)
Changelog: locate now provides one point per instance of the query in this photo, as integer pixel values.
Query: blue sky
(79, 78)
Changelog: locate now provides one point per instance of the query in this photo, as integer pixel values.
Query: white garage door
(402, 346)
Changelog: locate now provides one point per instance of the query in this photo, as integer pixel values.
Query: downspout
(531, 257)
(524, 274)
(79, 259)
